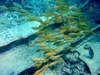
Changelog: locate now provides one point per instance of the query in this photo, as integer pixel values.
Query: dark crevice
(17, 43)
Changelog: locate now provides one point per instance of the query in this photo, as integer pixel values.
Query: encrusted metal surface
(94, 43)
(17, 59)
(8, 35)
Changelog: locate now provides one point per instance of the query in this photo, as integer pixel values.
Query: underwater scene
(49, 37)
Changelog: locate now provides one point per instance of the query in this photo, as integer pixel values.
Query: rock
(79, 68)
(66, 71)
(72, 57)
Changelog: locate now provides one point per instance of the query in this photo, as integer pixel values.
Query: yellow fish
(55, 57)
(55, 62)
(23, 2)
(4, 7)
(91, 9)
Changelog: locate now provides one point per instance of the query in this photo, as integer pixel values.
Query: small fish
(89, 32)
(41, 70)
(36, 28)
(68, 48)
(23, 10)
(45, 49)
(76, 30)
(59, 43)
(47, 21)
(43, 45)
(72, 23)
(75, 34)
(49, 36)
(39, 50)
(98, 71)
(55, 62)
(14, 8)
(72, 34)
(58, 19)
(30, 44)
(61, 31)
(55, 49)
(69, 40)
(38, 72)
(70, 16)
(23, 2)
(25, 14)
(39, 20)
(63, 27)
(41, 73)
(55, 57)
(82, 20)
(49, 53)
(84, 25)
(75, 9)
(4, 7)
(40, 40)
(60, 3)
(45, 66)
(38, 59)
(32, 18)
(38, 64)
(79, 13)
(91, 9)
